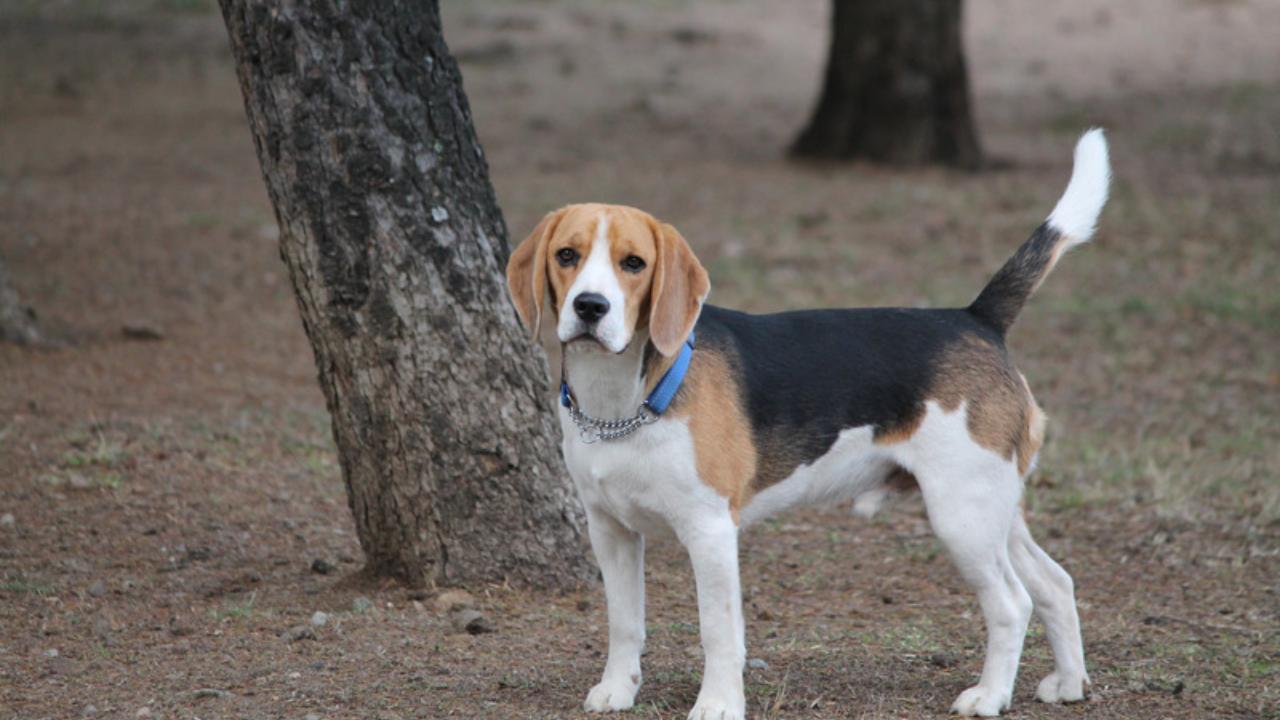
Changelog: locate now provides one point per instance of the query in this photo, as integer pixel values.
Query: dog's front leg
(620, 553)
(713, 551)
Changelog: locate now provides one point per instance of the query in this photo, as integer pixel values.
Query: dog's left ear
(680, 285)
(527, 271)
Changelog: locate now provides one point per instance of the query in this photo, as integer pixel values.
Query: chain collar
(591, 429)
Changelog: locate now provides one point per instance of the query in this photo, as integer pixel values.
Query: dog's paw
(1057, 688)
(703, 711)
(718, 709)
(609, 696)
(979, 701)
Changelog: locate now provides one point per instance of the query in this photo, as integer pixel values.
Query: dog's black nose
(590, 307)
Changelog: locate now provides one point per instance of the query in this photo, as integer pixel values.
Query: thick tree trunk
(17, 325)
(896, 89)
(396, 249)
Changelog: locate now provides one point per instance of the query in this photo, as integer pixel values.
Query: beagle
(686, 419)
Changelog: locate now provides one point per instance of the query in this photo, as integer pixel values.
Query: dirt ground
(172, 517)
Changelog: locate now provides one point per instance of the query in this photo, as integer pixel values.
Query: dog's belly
(853, 466)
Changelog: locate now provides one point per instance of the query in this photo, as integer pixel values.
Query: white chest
(648, 480)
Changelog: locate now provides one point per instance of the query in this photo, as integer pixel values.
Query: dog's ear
(527, 271)
(680, 284)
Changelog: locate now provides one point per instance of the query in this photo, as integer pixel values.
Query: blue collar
(656, 404)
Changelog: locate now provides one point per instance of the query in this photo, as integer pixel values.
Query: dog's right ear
(527, 271)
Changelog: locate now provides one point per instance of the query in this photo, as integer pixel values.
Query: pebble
(757, 664)
(213, 692)
(945, 659)
(320, 566)
(454, 600)
(472, 622)
(299, 632)
(319, 619)
(7, 520)
(97, 589)
(143, 712)
(361, 604)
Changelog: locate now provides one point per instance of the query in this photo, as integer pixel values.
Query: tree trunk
(17, 325)
(396, 249)
(896, 90)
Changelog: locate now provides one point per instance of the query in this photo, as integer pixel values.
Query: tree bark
(396, 249)
(896, 89)
(17, 324)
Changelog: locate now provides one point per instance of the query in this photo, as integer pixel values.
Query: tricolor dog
(686, 419)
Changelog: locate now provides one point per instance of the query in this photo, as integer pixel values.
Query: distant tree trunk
(396, 248)
(16, 322)
(896, 89)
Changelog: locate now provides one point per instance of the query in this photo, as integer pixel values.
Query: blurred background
(172, 420)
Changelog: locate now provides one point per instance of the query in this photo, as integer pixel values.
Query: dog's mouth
(586, 341)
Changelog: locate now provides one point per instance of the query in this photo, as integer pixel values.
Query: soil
(171, 513)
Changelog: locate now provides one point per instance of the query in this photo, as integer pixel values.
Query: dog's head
(605, 274)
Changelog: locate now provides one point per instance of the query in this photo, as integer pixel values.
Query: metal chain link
(592, 429)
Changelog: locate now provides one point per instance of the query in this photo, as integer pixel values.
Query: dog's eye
(567, 257)
(633, 263)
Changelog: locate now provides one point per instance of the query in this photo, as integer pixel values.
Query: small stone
(97, 589)
(321, 566)
(454, 600)
(141, 331)
(7, 520)
(319, 619)
(472, 622)
(361, 604)
(944, 659)
(78, 481)
(143, 712)
(51, 653)
(298, 633)
(213, 693)
(757, 664)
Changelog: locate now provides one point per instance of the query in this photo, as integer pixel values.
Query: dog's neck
(613, 385)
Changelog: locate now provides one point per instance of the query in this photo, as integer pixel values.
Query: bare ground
(167, 478)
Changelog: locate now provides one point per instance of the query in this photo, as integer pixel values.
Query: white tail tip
(1076, 214)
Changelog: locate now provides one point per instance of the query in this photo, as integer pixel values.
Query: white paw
(609, 696)
(1056, 688)
(978, 701)
(718, 710)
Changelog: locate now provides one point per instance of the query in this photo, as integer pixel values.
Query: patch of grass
(21, 586)
(102, 452)
(235, 611)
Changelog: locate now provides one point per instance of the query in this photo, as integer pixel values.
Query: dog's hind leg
(971, 506)
(1053, 595)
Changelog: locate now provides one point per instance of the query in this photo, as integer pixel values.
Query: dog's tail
(1071, 223)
